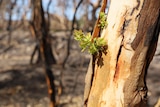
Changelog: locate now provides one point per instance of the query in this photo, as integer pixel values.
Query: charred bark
(41, 32)
(44, 29)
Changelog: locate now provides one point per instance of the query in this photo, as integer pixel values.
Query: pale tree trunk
(119, 77)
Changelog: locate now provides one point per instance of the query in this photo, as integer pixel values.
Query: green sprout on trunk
(86, 42)
(102, 20)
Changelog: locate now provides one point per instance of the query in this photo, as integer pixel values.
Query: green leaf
(102, 20)
(86, 43)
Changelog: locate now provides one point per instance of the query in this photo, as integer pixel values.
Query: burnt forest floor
(24, 85)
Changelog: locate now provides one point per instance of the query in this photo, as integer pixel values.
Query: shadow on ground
(22, 85)
(26, 85)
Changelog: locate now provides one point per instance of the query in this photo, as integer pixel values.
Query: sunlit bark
(119, 78)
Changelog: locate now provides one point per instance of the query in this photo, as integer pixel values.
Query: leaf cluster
(86, 42)
(102, 20)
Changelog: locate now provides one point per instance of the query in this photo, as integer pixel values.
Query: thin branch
(96, 5)
(71, 33)
(48, 21)
(10, 20)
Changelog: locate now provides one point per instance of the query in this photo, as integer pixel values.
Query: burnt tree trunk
(39, 21)
(44, 46)
(119, 78)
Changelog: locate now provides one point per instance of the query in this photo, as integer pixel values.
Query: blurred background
(38, 34)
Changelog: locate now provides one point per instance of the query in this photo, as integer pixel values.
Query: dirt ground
(23, 85)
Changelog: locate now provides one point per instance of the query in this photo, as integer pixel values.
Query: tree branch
(71, 32)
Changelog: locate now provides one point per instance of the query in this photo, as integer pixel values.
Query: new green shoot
(86, 42)
(102, 20)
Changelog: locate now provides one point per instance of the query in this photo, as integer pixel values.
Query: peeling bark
(131, 35)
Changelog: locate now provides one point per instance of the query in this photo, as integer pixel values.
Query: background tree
(39, 20)
(41, 32)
